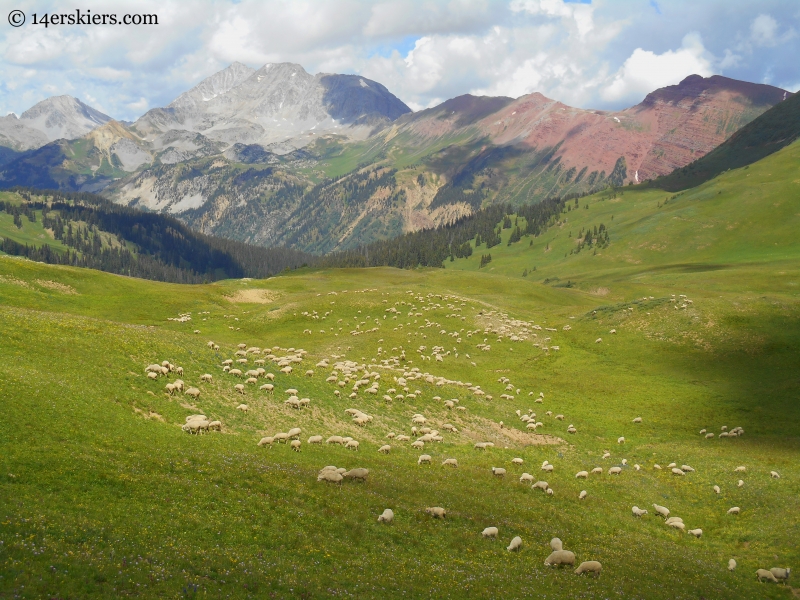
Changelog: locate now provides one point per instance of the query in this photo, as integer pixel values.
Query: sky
(604, 54)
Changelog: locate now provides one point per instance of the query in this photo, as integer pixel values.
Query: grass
(102, 495)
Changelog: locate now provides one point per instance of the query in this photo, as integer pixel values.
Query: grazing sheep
(437, 512)
(170, 388)
(740, 469)
(281, 437)
(774, 475)
(243, 407)
(515, 544)
(387, 516)
(695, 532)
(589, 566)
(480, 446)
(676, 471)
(550, 491)
(384, 449)
(359, 473)
(780, 574)
(677, 525)
(315, 439)
(687, 469)
(215, 425)
(424, 459)
(637, 467)
(330, 476)
(597, 470)
(390, 436)
(517, 461)
(615, 470)
(571, 429)
(560, 558)
(239, 388)
(540, 485)
(716, 489)
(638, 512)
(740, 483)
(620, 440)
(334, 439)
(490, 532)
(556, 544)
(582, 495)
(548, 468)
(731, 564)
(657, 467)
(251, 380)
(734, 511)
(662, 510)
(582, 474)
(702, 432)
(266, 441)
(637, 420)
(294, 432)
(267, 387)
(450, 462)
(763, 574)
(206, 378)
(352, 445)
(709, 436)
(193, 392)
(418, 445)
(498, 472)
(295, 445)
(526, 478)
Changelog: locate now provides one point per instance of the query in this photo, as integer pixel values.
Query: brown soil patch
(57, 287)
(253, 297)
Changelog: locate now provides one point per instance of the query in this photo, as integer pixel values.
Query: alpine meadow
(286, 337)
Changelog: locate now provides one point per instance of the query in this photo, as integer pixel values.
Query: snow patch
(186, 203)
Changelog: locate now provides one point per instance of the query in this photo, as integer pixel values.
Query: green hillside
(103, 495)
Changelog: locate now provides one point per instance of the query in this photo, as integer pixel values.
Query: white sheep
(294, 432)
(384, 449)
(556, 544)
(734, 510)
(351, 445)
(676, 471)
(243, 408)
(193, 392)
(731, 564)
(582, 495)
(662, 510)
(437, 512)
(781, 574)
(548, 468)
(615, 470)
(560, 558)
(330, 476)
(517, 461)
(763, 574)
(620, 440)
(526, 478)
(740, 483)
(637, 420)
(589, 566)
(774, 475)
(450, 462)
(597, 470)
(638, 512)
(315, 439)
(490, 532)
(295, 445)
(424, 459)
(266, 441)
(334, 439)
(716, 489)
(206, 378)
(387, 516)
(239, 388)
(359, 473)
(418, 445)
(695, 532)
(498, 472)
(540, 485)
(740, 469)
(515, 544)
(216, 425)
(582, 474)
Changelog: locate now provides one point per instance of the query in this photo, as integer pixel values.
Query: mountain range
(327, 162)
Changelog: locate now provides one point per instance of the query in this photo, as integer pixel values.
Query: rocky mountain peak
(63, 117)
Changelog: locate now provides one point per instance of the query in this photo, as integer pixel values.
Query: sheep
(267, 387)
(170, 388)
(437, 512)
(657, 467)
(251, 380)
(235, 372)
(740, 483)
(280, 437)
(597, 470)
(239, 388)
(672, 520)
(294, 432)
(498, 472)
(637, 420)
(402, 438)
(193, 392)
(582, 495)
(359, 473)
(295, 445)
(390, 436)
(637, 467)
(560, 558)
(582, 475)
(702, 432)
(352, 445)
(731, 564)
(734, 510)
(687, 469)
(480, 446)
(243, 408)
(387, 516)
(205, 377)
(695, 532)
(334, 439)
(515, 544)
(662, 510)
(384, 449)
(740, 469)
(638, 512)
(556, 544)
(550, 491)
(671, 465)
(620, 440)
(266, 441)
(677, 525)
(716, 489)
(490, 532)
(780, 574)
(676, 471)
(517, 461)
(763, 574)
(774, 475)
(606, 455)
(418, 445)
(215, 425)
(548, 468)
(615, 470)
(315, 439)
(571, 429)
(526, 478)
(330, 476)
(540, 485)
(424, 459)
(624, 461)
(589, 566)
(450, 462)
(709, 436)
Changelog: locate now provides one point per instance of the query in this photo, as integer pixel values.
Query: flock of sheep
(365, 378)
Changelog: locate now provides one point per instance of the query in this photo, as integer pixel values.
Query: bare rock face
(279, 106)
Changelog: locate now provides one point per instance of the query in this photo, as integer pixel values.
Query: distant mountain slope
(58, 117)
(768, 133)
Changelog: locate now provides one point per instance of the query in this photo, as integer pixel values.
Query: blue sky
(600, 54)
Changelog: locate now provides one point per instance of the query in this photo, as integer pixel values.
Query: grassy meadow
(103, 495)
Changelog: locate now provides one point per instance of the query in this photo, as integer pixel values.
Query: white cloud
(645, 71)
(139, 106)
(763, 30)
